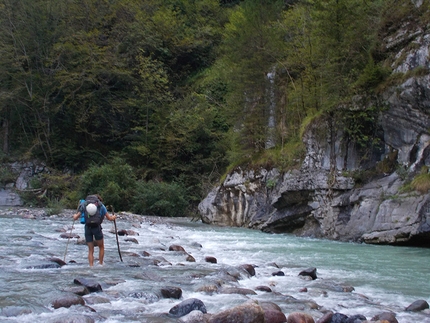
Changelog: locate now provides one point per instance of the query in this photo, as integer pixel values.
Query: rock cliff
(325, 197)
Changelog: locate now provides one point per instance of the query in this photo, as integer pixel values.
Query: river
(385, 278)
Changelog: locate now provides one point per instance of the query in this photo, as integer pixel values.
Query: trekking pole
(70, 234)
(116, 233)
(67, 245)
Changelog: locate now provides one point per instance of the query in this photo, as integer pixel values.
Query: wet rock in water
(146, 254)
(122, 232)
(171, 292)
(278, 273)
(175, 247)
(188, 305)
(67, 301)
(57, 260)
(114, 281)
(147, 298)
(272, 312)
(358, 318)
(274, 317)
(91, 285)
(68, 235)
(386, 316)
(132, 233)
(299, 317)
(237, 290)
(264, 289)
(196, 244)
(44, 266)
(193, 317)
(11, 311)
(71, 318)
(249, 312)
(270, 306)
(190, 258)
(129, 253)
(81, 241)
(134, 240)
(326, 318)
(95, 299)
(311, 272)
(339, 318)
(78, 290)
(417, 306)
(335, 287)
(211, 259)
(208, 289)
(249, 268)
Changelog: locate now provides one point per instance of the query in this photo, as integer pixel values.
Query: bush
(115, 182)
(160, 198)
(6, 175)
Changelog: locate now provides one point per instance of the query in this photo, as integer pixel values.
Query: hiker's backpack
(96, 218)
(82, 210)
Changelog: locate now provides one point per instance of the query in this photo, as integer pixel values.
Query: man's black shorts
(93, 233)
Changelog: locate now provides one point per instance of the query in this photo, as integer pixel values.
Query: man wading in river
(92, 212)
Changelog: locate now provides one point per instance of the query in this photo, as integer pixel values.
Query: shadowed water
(384, 278)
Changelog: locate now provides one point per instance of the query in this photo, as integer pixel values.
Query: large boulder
(249, 312)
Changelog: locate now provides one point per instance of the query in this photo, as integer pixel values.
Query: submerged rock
(11, 311)
(237, 290)
(71, 318)
(43, 266)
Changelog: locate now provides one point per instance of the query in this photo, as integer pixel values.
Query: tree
(250, 49)
(28, 31)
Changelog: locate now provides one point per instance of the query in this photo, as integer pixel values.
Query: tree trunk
(5, 128)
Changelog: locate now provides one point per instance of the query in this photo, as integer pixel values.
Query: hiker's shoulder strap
(103, 209)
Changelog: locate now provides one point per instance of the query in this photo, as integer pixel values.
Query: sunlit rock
(249, 312)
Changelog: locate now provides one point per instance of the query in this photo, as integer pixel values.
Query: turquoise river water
(384, 278)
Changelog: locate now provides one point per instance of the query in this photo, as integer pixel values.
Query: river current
(384, 278)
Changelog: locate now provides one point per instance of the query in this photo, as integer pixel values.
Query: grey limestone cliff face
(321, 199)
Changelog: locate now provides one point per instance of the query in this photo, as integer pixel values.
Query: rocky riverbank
(42, 213)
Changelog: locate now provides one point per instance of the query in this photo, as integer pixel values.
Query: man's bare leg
(91, 253)
(101, 245)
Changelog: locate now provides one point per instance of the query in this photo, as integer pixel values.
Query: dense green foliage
(143, 95)
(162, 199)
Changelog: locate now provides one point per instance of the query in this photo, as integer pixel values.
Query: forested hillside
(131, 97)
